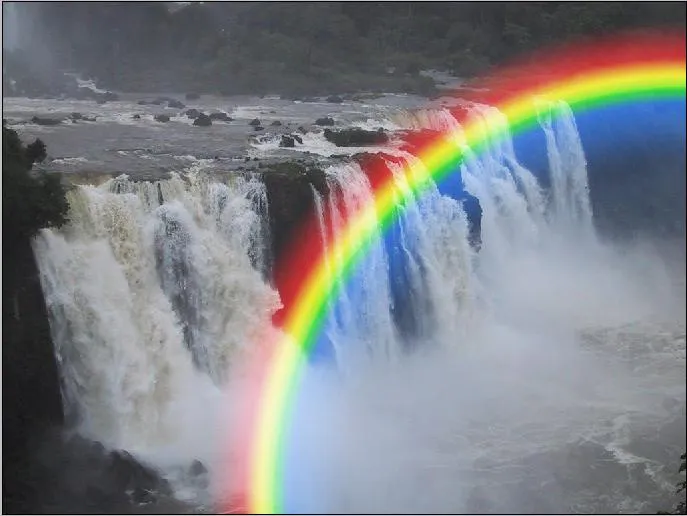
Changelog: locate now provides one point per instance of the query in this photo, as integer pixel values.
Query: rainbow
(630, 68)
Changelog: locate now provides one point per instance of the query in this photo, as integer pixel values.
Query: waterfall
(153, 288)
(417, 282)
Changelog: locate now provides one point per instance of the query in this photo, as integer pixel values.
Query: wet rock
(192, 96)
(193, 113)
(76, 116)
(110, 96)
(140, 496)
(334, 99)
(101, 101)
(276, 123)
(255, 122)
(143, 103)
(219, 115)
(289, 193)
(326, 121)
(136, 117)
(88, 118)
(302, 130)
(162, 118)
(297, 138)
(356, 137)
(258, 128)
(157, 102)
(287, 141)
(45, 121)
(173, 103)
(197, 468)
(202, 121)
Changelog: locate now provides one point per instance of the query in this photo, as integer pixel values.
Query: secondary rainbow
(629, 68)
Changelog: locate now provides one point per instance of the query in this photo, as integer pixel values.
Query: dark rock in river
(219, 115)
(45, 121)
(76, 116)
(136, 117)
(326, 121)
(356, 137)
(258, 128)
(334, 99)
(287, 141)
(162, 118)
(276, 123)
(193, 113)
(173, 103)
(197, 468)
(143, 103)
(202, 121)
(192, 96)
(297, 138)
(255, 122)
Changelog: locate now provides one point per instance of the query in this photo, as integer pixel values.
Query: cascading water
(147, 280)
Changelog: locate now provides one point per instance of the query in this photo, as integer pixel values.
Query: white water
(495, 370)
(138, 291)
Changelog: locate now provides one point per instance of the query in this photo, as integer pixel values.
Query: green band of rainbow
(647, 67)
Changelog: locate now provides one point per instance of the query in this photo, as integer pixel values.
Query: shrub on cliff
(30, 201)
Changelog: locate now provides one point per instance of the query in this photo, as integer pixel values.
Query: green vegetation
(29, 201)
(308, 48)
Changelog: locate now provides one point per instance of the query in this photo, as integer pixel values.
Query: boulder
(88, 119)
(76, 116)
(219, 115)
(302, 130)
(197, 468)
(173, 103)
(326, 121)
(157, 102)
(255, 122)
(287, 141)
(193, 113)
(192, 96)
(45, 121)
(297, 138)
(258, 128)
(334, 99)
(101, 101)
(276, 123)
(162, 118)
(136, 117)
(356, 137)
(202, 120)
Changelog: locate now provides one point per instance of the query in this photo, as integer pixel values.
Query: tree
(29, 201)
